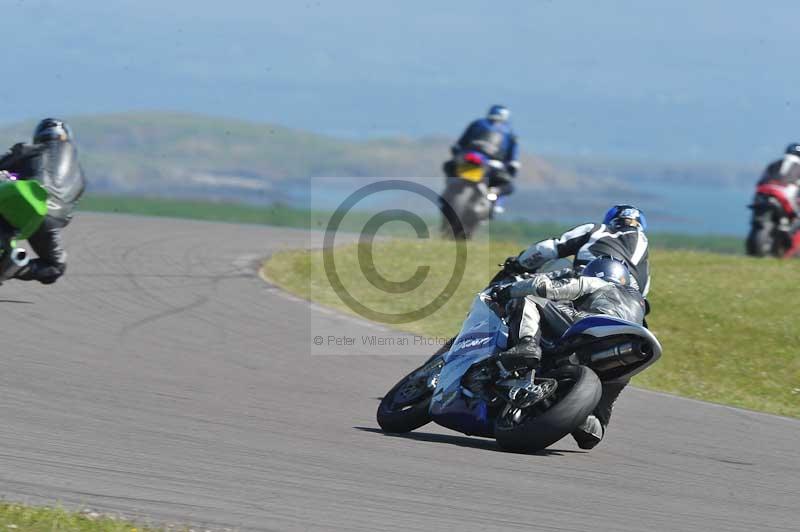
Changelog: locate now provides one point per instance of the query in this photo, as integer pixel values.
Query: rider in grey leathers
(52, 160)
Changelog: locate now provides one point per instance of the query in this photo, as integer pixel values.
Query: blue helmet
(622, 215)
(608, 269)
(499, 113)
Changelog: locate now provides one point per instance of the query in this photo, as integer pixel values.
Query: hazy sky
(685, 79)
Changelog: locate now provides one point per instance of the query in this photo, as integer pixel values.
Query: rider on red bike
(776, 225)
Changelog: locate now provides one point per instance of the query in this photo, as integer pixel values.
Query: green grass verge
(727, 324)
(526, 232)
(21, 518)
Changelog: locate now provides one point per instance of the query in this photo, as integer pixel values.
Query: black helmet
(51, 129)
(793, 149)
(608, 269)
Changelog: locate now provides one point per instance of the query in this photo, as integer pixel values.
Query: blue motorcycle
(466, 388)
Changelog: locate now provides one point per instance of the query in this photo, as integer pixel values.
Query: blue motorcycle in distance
(467, 389)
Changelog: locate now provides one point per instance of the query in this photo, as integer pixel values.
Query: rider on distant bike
(52, 160)
(604, 288)
(493, 137)
(785, 170)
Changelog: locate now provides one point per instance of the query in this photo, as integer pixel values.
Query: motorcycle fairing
(483, 334)
(783, 193)
(23, 204)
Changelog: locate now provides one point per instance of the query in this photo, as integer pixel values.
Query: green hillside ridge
(725, 322)
(133, 150)
(687, 173)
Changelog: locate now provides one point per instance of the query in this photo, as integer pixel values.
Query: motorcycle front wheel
(406, 406)
(761, 240)
(544, 423)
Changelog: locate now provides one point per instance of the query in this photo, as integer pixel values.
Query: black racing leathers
(54, 164)
(590, 241)
(784, 171)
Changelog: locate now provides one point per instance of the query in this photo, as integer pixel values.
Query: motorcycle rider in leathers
(786, 171)
(493, 137)
(620, 236)
(604, 288)
(52, 160)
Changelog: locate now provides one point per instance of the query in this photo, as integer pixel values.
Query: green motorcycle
(23, 206)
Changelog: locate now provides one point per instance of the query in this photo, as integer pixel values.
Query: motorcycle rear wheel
(541, 425)
(461, 199)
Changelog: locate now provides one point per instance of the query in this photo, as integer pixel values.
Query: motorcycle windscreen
(482, 335)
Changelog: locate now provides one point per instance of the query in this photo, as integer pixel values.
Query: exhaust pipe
(20, 257)
(616, 356)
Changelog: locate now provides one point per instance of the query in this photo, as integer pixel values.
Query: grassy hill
(715, 174)
(185, 153)
(726, 323)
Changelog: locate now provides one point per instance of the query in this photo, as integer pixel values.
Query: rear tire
(577, 395)
(460, 198)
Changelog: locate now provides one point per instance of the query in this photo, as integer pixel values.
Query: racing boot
(589, 433)
(527, 352)
(39, 270)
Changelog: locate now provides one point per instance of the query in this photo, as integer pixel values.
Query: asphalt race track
(163, 379)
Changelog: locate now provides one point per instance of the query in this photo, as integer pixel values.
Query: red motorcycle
(773, 227)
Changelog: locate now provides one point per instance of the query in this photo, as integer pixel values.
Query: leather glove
(512, 266)
(501, 294)
(539, 283)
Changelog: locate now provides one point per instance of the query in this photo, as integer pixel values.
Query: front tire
(761, 240)
(540, 426)
(406, 406)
